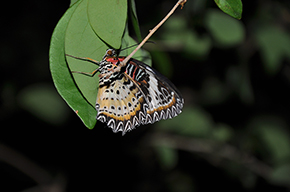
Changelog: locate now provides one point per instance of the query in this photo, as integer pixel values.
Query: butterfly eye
(110, 52)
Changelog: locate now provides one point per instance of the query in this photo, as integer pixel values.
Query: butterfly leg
(115, 68)
(87, 74)
(84, 59)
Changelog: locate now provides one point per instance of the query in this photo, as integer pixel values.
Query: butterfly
(132, 94)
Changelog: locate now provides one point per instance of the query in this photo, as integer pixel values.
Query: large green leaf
(274, 44)
(42, 101)
(61, 75)
(81, 41)
(73, 2)
(74, 36)
(168, 157)
(108, 20)
(192, 122)
(134, 19)
(225, 30)
(177, 35)
(281, 174)
(232, 7)
(273, 133)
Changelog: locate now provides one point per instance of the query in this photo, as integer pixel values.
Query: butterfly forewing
(161, 93)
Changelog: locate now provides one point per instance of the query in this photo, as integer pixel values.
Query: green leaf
(225, 30)
(167, 156)
(274, 44)
(43, 102)
(177, 35)
(232, 7)
(73, 2)
(197, 45)
(192, 122)
(274, 137)
(281, 175)
(62, 76)
(81, 41)
(134, 19)
(108, 20)
(277, 141)
(222, 132)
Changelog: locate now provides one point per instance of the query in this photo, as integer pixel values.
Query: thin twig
(23, 164)
(210, 147)
(151, 32)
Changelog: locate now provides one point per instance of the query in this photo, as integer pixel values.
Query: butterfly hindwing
(164, 99)
(120, 105)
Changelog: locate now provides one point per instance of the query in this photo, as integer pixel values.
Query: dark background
(232, 90)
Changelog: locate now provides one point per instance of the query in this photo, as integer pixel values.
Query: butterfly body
(133, 94)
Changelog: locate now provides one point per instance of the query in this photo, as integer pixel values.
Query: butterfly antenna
(136, 45)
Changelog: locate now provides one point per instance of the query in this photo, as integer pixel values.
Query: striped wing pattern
(134, 96)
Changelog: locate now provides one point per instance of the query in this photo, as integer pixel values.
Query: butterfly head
(110, 53)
